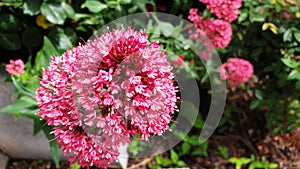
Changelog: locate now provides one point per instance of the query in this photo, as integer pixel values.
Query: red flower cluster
(101, 93)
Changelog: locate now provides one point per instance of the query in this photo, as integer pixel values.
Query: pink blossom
(99, 94)
(15, 67)
(219, 32)
(236, 71)
(224, 9)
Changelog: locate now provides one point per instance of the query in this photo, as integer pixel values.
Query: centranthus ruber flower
(218, 31)
(15, 67)
(224, 9)
(236, 71)
(99, 94)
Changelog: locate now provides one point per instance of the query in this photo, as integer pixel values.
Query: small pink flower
(236, 71)
(179, 62)
(15, 67)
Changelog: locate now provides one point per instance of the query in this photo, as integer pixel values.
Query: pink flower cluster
(236, 71)
(224, 9)
(99, 94)
(15, 67)
(219, 32)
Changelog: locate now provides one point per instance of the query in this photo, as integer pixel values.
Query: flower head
(101, 93)
(218, 31)
(224, 9)
(15, 67)
(236, 71)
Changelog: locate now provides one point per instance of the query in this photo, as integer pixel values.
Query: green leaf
(185, 148)
(72, 36)
(22, 89)
(21, 108)
(288, 62)
(258, 94)
(69, 11)
(273, 165)
(60, 40)
(254, 104)
(201, 149)
(9, 23)
(75, 166)
(199, 123)
(10, 41)
(54, 146)
(32, 36)
(297, 35)
(37, 125)
(94, 6)
(243, 16)
(256, 52)
(15, 3)
(43, 56)
(287, 36)
(57, 12)
(55, 151)
(257, 18)
(174, 156)
(294, 74)
(32, 7)
(223, 151)
(159, 159)
(16, 107)
(125, 1)
(181, 164)
(165, 28)
(298, 85)
(193, 140)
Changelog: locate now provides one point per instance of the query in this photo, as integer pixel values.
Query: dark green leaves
(32, 7)
(174, 156)
(60, 40)
(287, 36)
(32, 36)
(43, 57)
(54, 146)
(10, 41)
(22, 106)
(297, 35)
(9, 23)
(288, 62)
(94, 6)
(57, 12)
(22, 89)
